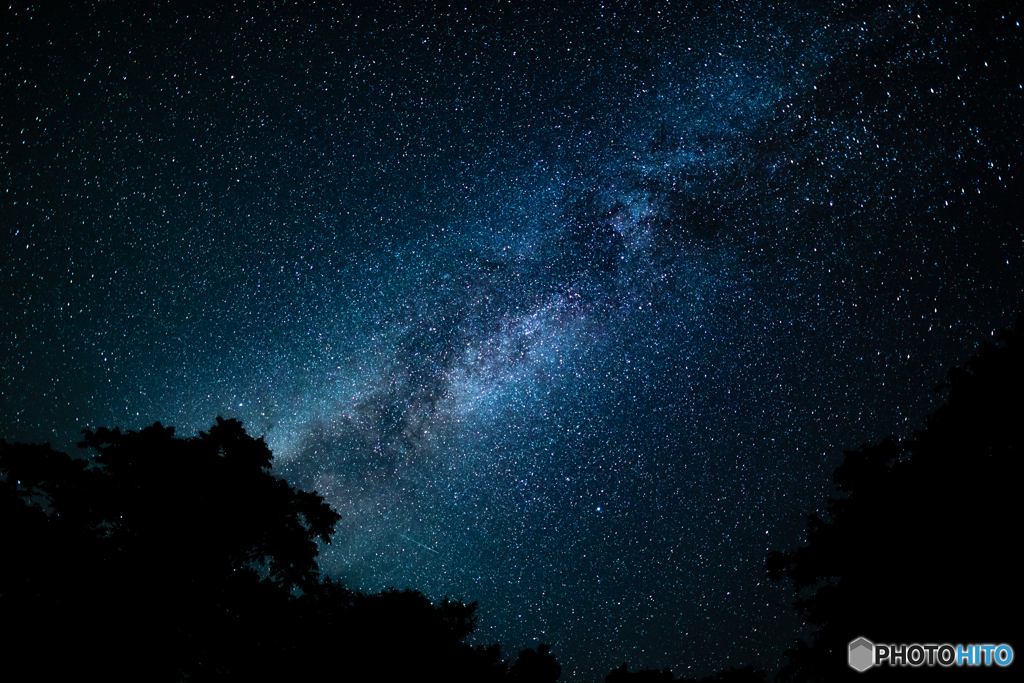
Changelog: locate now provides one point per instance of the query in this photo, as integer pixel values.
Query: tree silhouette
(159, 558)
(538, 665)
(156, 544)
(916, 547)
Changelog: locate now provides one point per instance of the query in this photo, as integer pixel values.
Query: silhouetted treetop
(211, 498)
(160, 558)
(914, 522)
(538, 666)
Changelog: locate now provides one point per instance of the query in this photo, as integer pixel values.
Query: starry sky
(570, 310)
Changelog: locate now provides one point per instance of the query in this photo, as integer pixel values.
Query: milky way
(569, 312)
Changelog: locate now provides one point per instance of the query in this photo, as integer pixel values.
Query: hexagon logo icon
(861, 654)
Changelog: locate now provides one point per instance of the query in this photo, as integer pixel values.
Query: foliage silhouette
(159, 558)
(156, 544)
(916, 547)
(162, 558)
(538, 666)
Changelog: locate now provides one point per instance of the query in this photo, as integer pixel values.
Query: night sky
(568, 311)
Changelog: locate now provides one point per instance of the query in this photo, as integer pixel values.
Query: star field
(569, 311)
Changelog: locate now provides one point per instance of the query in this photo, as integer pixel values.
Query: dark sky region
(570, 310)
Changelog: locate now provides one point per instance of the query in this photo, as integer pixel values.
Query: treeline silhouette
(919, 545)
(919, 542)
(159, 558)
